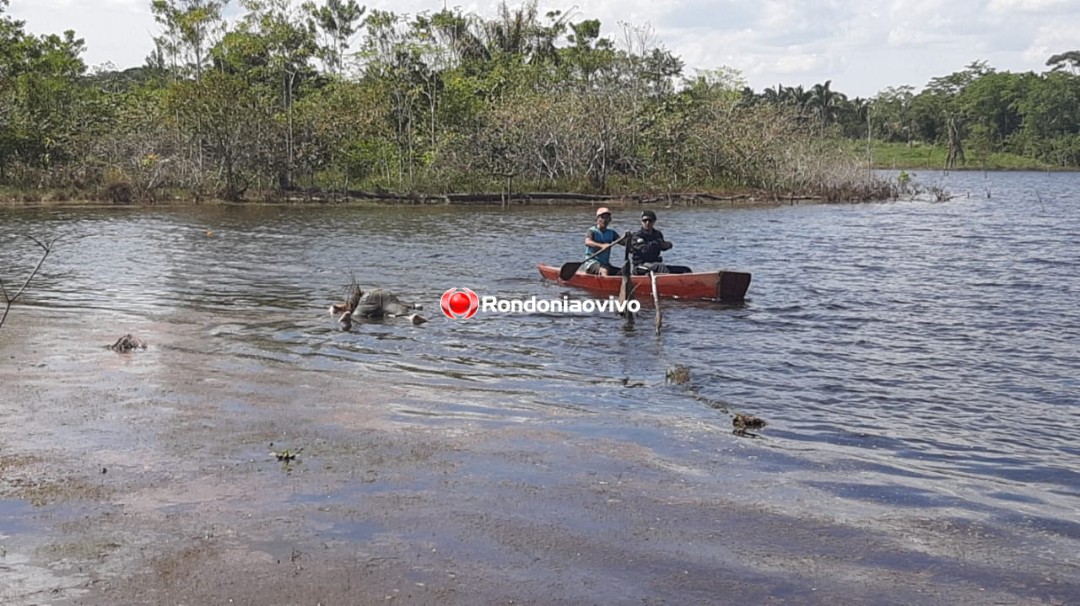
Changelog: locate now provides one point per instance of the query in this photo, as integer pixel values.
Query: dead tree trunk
(956, 148)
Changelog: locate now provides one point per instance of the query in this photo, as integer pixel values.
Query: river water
(905, 354)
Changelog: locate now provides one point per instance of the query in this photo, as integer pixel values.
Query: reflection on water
(904, 350)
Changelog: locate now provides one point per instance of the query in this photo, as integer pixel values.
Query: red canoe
(726, 286)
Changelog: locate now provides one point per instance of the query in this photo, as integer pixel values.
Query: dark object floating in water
(128, 343)
(286, 455)
(679, 375)
(744, 422)
(377, 303)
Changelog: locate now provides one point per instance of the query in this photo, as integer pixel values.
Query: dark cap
(648, 214)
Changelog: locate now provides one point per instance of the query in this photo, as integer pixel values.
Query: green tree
(1050, 113)
(1069, 60)
(891, 114)
(12, 44)
(192, 27)
(588, 53)
(394, 62)
(825, 104)
(336, 22)
(44, 102)
(990, 105)
(347, 134)
(272, 49)
(520, 35)
(229, 120)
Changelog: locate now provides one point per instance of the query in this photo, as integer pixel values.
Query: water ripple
(928, 349)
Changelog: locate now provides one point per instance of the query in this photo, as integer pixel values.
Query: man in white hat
(601, 237)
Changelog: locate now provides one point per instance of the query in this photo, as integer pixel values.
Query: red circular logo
(459, 303)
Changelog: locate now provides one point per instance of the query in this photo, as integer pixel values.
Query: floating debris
(679, 375)
(379, 303)
(744, 422)
(711, 403)
(127, 343)
(286, 455)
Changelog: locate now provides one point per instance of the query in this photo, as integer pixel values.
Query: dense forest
(296, 96)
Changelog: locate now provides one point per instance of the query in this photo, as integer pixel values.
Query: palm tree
(460, 34)
(772, 95)
(520, 33)
(826, 103)
(796, 97)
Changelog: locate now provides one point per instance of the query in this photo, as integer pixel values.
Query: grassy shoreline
(902, 156)
(883, 156)
(47, 199)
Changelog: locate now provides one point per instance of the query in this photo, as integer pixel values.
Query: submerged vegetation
(336, 98)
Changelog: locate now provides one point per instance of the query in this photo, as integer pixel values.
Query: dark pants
(594, 268)
(660, 268)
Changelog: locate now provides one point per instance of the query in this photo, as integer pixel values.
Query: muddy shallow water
(919, 449)
(150, 480)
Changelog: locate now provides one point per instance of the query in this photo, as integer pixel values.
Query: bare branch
(46, 246)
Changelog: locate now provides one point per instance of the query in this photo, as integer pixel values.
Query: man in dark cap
(646, 246)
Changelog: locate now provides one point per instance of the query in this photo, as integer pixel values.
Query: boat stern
(731, 286)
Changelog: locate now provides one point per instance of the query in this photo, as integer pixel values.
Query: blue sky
(862, 46)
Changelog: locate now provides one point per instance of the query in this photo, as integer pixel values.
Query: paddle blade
(656, 301)
(733, 286)
(568, 270)
(626, 292)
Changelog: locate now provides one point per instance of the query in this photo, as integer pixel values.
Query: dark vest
(646, 247)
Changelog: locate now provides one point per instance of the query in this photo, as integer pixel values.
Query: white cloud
(1051, 40)
(798, 64)
(116, 31)
(1026, 6)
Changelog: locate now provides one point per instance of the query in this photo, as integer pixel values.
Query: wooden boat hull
(726, 286)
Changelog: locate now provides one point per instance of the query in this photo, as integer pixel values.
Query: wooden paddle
(626, 289)
(568, 270)
(656, 301)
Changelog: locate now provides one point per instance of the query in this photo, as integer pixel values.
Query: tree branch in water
(9, 300)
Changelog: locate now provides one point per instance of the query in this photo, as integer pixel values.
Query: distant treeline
(335, 97)
(973, 113)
